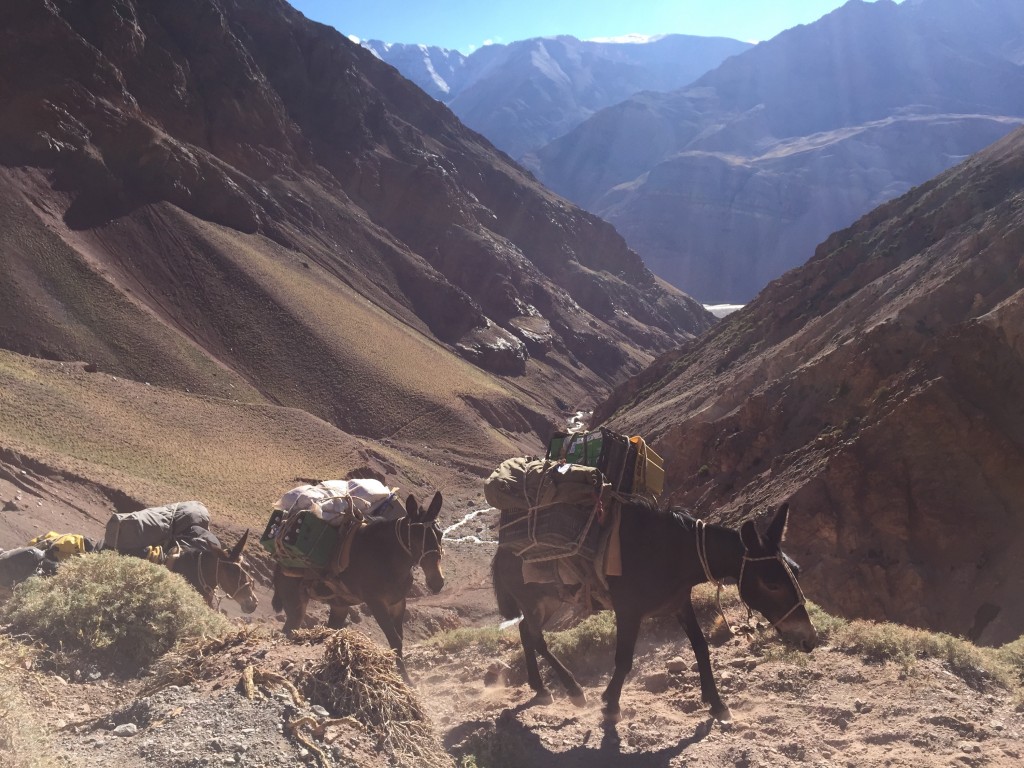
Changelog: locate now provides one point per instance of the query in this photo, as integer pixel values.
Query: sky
(465, 25)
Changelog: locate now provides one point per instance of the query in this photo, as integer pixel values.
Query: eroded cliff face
(878, 389)
(245, 115)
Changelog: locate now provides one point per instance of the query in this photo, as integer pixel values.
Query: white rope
(701, 529)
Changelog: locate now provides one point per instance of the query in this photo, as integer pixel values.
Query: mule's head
(768, 582)
(425, 539)
(233, 577)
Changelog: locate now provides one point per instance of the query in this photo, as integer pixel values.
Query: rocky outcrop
(877, 389)
(727, 183)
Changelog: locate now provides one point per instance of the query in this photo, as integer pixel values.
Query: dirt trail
(828, 708)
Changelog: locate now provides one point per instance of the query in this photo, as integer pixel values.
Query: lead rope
(702, 555)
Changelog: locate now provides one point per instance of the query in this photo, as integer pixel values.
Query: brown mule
(379, 574)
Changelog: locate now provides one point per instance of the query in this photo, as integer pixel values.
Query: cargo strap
(533, 507)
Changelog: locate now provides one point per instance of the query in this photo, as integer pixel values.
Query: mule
(379, 574)
(665, 554)
(214, 567)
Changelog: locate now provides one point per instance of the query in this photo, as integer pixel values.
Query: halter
(702, 555)
(407, 544)
(212, 591)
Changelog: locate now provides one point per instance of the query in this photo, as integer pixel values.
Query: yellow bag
(60, 546)
(650, 468)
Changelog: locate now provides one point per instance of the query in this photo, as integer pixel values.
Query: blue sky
(467, 24)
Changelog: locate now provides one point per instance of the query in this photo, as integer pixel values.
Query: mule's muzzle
(798, 631)
(249, 607)
(435, 583)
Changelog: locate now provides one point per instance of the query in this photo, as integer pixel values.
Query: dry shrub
(885, 642)
(1011, 656)
(589, 643)
(491, 641)
(111, 610)
(196, 659)
(357, 678)
(20, 735)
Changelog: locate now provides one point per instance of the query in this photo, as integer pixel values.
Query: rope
(701, 538)
(702, 555)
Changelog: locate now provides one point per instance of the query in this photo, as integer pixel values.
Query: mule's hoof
(579, 699)
(611, 717)
(542, 699)
(722, 714)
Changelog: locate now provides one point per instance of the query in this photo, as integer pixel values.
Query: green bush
(588, 645)
(1011, 658)
(110, 609)
(489, 640)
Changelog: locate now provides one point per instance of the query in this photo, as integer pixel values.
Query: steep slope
(876, 388)
(525, 94)
(725, 184)
(221, 197)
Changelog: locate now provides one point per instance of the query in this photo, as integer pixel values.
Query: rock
(496, 674)
(676, 664)
(659, 682)
(126, 729)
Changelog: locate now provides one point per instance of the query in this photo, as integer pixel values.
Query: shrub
(883, 642)
(590, 645)
(110, 609)
(1011, 656)
(491, 641)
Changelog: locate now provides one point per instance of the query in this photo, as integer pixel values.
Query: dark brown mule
(213, 568)
(379, 573)
(664, 555)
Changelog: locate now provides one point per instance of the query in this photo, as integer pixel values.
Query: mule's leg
(533, 642)
(627, 630)
(289, 595)
(385, 616)
(708, 689)
(533, 678)
(339, 616)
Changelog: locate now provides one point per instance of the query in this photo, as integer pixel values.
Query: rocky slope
(876, 388)
(527, 93)
(727, 183)
(223, 198)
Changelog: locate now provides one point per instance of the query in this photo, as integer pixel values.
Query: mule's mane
(680, 514)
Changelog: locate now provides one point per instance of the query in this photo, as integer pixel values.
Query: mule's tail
(501, 570)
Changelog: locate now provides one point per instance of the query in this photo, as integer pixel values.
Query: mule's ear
(236, 551)
(434, 509)
(749, 536)
(412, 507)
(777, 527)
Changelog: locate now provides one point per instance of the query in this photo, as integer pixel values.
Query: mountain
(525, 94)
(877, 388)
(727, 183)
(223, 199)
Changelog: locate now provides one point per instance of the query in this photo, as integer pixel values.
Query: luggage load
(18, 564)
(309, 524)
(548, 510)
(133, 532)
(334, 498)
(629, 464)
(61, 546)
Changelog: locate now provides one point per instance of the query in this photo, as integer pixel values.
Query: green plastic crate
(580, 448)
